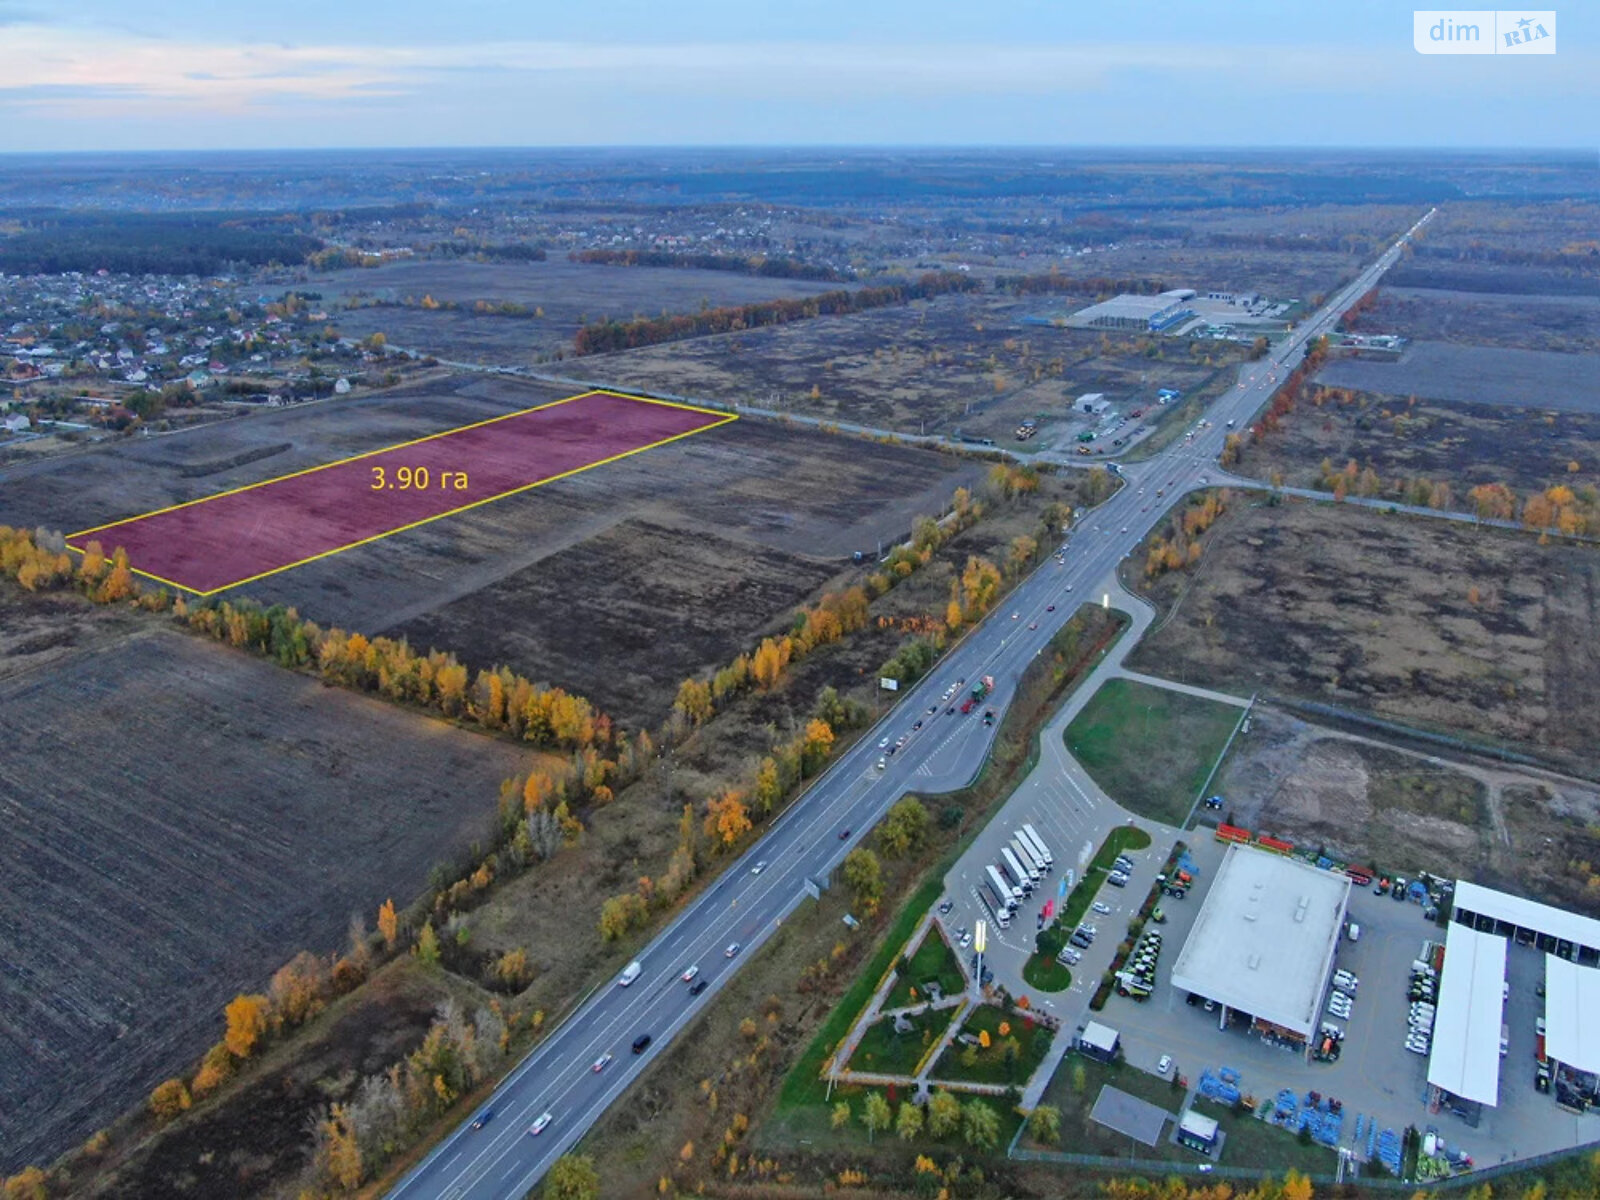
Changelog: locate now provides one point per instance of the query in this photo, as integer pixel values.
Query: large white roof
(1570, 992)
(1265, 937)
(1465, 1058)
(1527, 914)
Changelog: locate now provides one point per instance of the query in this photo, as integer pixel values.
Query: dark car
(698, 986)
(843, 833)
(483, 1118)
(641, 1043)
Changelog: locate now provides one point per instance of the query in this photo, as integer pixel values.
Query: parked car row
(1422, 992)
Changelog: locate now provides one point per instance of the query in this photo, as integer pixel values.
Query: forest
(55, 241)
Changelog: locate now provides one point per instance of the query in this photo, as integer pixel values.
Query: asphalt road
(503, 1158)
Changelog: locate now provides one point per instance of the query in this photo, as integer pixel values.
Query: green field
(1249, 1142)
(885, 1052)
(1150, 748)
(933, 960)
(1043, 972)
(1000, 1062)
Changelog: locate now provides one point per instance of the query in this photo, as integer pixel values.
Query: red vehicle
(966, 705)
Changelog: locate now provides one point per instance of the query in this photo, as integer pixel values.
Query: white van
(629, 973)
(1355, 932)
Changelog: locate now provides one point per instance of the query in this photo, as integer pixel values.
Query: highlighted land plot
(234, 537)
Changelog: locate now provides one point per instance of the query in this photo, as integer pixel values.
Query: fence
(1162, 1168)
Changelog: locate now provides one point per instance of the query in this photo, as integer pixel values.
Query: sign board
(889, 685)
(980, 936)
(811, 888)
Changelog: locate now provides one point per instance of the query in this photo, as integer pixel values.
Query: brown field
(570, 294)
(1568, 324)
(181, 819)
(1463, 445)
(956, 363)
(1369, 611)
(1477, 375)
(622, 580)
(1408, 810)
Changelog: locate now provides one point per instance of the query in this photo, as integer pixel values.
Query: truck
(630, 972)
(1011, 894)
(995, 904)
(1028, 855)
(982, 688)
(1027, 429)
(1015, 870)
(1025, 859)
(1032, 835)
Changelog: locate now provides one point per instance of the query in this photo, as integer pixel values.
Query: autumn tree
(30, 1183)
(863, 875)
(388, 923)
(340, 1152)
(1044, 1124)
(770, 661)
(215, 1068)
(572, 1177)
(169, 1099)
(511, 969)
(816, 746)
(908, 1122)
(427, 949)
(619, 914)
(247, 1021)
(904, 828)
(299, 989)
(768, 788)
(980, 1125)
(694, 700)
(944, 1114)
(727, 818)
(841, 1114)
(876, 1114)
(1020, 553)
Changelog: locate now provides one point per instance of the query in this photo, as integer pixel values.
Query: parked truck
(1003, 887)
(996, 905)
(1028, 856)
(1018, 873)
(1038, 844)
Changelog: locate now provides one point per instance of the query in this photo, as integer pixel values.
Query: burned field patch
(1443, 626)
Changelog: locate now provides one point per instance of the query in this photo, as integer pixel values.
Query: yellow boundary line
(725, 419)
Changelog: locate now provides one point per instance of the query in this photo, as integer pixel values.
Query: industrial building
(1099, 1041)
(1147, 314)
(1464, 1059)
(1093, 404)
(1263, 944)
(1572, 1034)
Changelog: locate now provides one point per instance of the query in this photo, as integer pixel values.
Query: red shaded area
(1232, 833)
(225, 540)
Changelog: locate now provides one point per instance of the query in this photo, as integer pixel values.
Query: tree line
(1082, 285)
(767, 266)
(56, 241)
(604, 336)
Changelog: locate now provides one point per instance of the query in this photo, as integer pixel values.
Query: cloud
(144, 75)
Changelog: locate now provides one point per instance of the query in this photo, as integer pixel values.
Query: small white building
(15, 423)
(342, 387)
(1092, 403)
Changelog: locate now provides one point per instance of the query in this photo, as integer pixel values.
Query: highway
(811, 838)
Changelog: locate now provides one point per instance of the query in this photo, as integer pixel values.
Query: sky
(265, 74)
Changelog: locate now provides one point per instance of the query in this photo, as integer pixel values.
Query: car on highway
(1069, 587)
(843, 833)
(733, 948)
(1049, 608)
(688, 976)
(916, 727)
(641, 1043)
(1033, 624)
(1164, 1065)
(883, 745)
(698, 986)
(1015, 615)
(759, 867)
(539, 1123)
(883, 764)
(602, 1062)
(483, 1118)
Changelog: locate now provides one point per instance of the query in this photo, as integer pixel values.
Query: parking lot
(1374, 1074)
